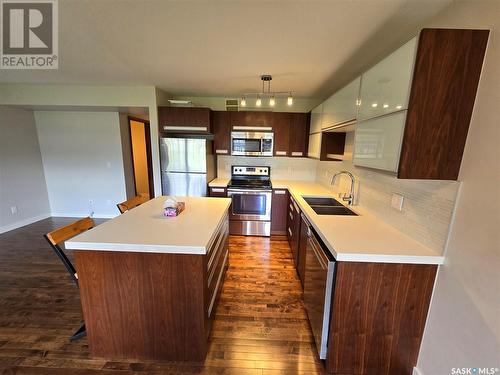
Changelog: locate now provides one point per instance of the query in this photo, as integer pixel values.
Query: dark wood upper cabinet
(279, 211)
(299, 134)
(281, 128)
(252, 118)
(332, 146)
(221, 127)
(445, 79)
(199, 119)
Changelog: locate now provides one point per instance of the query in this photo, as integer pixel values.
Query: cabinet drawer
(217, 280)
(218, 192)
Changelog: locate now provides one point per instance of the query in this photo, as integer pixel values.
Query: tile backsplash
(428, 204)
(281, 168)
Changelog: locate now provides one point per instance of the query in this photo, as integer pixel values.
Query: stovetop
(250, 177)
(249, 184)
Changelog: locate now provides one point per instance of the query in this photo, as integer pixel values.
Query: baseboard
(22, 223)
(416, 371)
(80, 215)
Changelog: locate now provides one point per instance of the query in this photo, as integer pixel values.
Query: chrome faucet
(346, 198)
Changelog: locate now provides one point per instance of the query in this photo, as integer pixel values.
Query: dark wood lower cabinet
(378, 317)
(220, 192)
(279, 211)
(293, 228)
(302, 247)
(149, 305)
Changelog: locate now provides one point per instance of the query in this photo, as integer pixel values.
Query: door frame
(149, 157)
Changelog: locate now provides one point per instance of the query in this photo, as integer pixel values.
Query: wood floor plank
(260, 324)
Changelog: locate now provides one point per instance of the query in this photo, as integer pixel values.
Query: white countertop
(363, 238)
(145, 229)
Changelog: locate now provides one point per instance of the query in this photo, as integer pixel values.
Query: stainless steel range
(250, 191)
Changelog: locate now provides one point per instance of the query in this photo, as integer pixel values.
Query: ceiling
(220, 48)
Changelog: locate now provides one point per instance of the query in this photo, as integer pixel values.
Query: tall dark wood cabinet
(445, 79)
(221, 127)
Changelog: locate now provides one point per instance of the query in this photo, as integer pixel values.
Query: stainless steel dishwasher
(318, 288)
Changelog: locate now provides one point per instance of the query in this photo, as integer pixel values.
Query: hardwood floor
(260, 325)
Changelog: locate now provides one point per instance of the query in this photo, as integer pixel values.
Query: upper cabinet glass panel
(316, 119)
(341, 107)
(385, 88)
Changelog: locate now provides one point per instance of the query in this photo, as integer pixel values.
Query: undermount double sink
(328, 206)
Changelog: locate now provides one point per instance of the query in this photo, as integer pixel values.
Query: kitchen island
(149, 284)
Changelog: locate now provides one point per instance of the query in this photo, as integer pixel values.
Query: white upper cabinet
(377, 142)
(314, 149)
(385, 88)
(316, 119)
(341, 107)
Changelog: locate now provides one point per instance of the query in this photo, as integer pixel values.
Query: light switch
(13, 210)
(397, 202)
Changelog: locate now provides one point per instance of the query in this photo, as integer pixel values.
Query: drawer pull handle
(291, 207)
(291, 215)
(297, 153)
(221, 151)
(280, 192)
(217, 190)
(281, 153)
(290, 232)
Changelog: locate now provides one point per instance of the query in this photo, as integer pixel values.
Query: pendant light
(267, 94)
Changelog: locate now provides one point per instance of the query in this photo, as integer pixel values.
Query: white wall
(463, 327)
(93, 96)
(83, 161)
(22, 181)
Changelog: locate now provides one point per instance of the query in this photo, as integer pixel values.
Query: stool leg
(79, 334)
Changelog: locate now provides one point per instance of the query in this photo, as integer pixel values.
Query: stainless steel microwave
(251, 143)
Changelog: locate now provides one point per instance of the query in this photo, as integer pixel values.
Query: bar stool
(58, 236)
(131, 203)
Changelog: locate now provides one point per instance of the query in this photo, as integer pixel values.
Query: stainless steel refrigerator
(187, 166)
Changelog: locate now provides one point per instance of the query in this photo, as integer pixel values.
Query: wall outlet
(13, 210)
(397, 202)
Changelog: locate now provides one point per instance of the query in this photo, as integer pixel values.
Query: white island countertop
(363, 238)
(145, 229)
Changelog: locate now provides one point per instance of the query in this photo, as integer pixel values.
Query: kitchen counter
(363, 238)
(149, 284)
(145, 229)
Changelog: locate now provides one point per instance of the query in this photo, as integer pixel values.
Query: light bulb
(289, 100)
(399, 106)
(243, 102)
(386, 105)
(258, 102)
(374, 105)
(272, 101)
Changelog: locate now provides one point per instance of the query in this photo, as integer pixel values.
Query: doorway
(140, 141)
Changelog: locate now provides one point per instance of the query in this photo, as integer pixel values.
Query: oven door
(250, 204)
